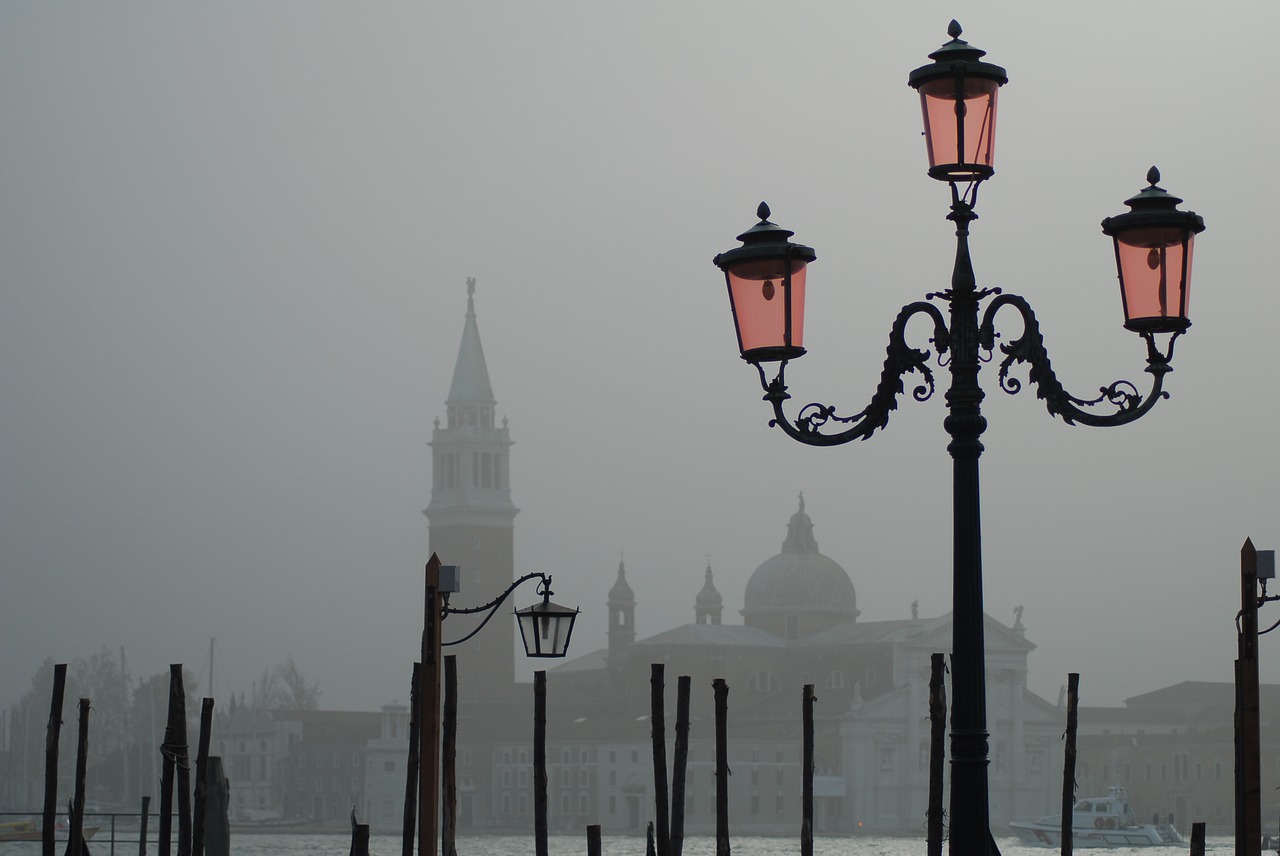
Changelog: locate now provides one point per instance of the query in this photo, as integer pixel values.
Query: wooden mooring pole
(806, 772)
(411, 780)
(658, 726)
(540, 763)
(52, 734)
(1069, 762)
(1197, 839)
(449, 759)
(679, 765)
(934, 813)
(75, 844)
(168, 754)
(202, 777)
(142, 826)
(593, 840)
(721, 690)
(182, 759)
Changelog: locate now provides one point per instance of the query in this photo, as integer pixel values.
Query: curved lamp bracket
(544, 589)
(1029, 348)
(900, 360)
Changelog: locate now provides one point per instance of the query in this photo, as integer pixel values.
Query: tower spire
(471, 514)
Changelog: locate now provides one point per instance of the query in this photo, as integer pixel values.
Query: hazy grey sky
(233, 247)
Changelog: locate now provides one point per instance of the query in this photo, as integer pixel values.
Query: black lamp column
(970, 814)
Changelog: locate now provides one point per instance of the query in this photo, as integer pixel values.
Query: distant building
(800, 624)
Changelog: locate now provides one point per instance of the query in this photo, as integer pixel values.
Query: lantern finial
(954, 29)
(763, 211)
(1153, 176)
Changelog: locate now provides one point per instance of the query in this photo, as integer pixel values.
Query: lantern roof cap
(764, 230)
(1153, 206)
(765, 240)
(957, 56)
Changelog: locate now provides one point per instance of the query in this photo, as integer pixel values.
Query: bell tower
(471, 516)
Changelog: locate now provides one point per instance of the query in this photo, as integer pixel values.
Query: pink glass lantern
(1153, 243)
(958, 96)
(766, 282)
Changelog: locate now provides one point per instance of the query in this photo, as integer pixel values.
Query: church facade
(799, 624)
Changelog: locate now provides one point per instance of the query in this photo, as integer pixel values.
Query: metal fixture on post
(549, 628)
(766, 280)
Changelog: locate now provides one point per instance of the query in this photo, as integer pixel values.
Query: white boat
(1106, 821)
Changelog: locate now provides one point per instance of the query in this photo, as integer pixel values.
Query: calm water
(562, 845)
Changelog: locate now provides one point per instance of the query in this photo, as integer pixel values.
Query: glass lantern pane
(1152, 272)
(759, 302)
(966, 139)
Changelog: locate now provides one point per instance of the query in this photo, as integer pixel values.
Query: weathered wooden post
(1069, 763)
(540, 762)
(721, 690)
(1197, 839)
(658, 726)
(142, 826)
(429, 717)
(649, 848)
(411, 783)
(75, 842)
(217, 805)
(449, 758)
(937, 752)
(593, 840)
(679, 765)
(202, 777)
(52, 734)
(806, 772)
(359, 837)
(168, 753)
(1248, 743)
(178, 698)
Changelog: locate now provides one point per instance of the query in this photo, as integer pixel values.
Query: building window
(777, 803)
(389, 766)
(613, 805)
(755, 805)
(836, 680)
(524, 802)
(583, 804)
(1217, 774)
(564, 804)
(764, 682)
(302, 760)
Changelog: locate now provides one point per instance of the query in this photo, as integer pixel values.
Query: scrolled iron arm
(900, 360)
(1029, 348)
(544, 588)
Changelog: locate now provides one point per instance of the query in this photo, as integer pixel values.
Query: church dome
(799, 591)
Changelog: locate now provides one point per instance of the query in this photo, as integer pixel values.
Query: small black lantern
(766, 282)
(545, 627)
(1153, 243)
(958, 96)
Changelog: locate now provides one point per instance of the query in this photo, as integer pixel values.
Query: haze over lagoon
(575, 845)
(233, 257)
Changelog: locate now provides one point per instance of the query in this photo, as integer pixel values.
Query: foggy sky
(233, 253)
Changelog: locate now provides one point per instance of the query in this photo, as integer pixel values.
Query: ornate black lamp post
(545, 628)
(766, 282)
